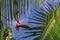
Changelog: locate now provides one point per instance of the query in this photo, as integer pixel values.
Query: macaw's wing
(25, 26)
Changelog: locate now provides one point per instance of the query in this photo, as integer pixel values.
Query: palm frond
(4, 33)
(33, 34)
(11, 9)
(38, 28)
(50, 30)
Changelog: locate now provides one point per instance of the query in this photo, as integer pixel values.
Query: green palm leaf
(51, 29)
(4, 33)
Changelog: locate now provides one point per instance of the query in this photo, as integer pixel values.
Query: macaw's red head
(17, 26)
(18, 23)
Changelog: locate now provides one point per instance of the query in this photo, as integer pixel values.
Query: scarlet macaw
(18, 24)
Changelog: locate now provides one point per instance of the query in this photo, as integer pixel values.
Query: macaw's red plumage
(18, 24)
(17, 27)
